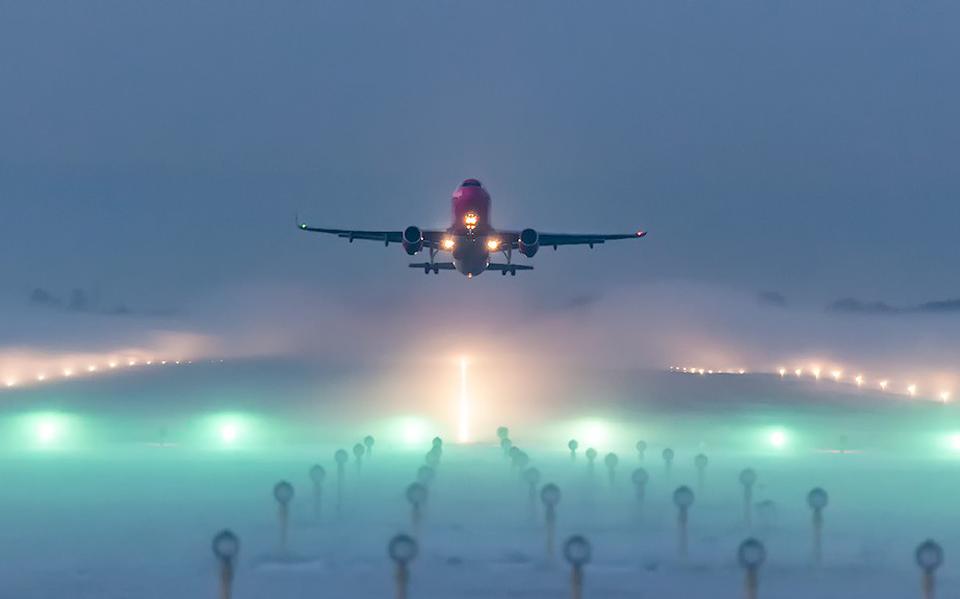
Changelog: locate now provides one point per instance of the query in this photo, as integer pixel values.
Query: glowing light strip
(464, 428)
(13, 380)
(911, 389)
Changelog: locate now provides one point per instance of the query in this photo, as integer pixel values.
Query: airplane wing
(558, 239)
(430, 238)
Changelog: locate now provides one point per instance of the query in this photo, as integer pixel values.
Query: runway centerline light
(594, 433)
(954, 441)
(778, 438)
(229, 432)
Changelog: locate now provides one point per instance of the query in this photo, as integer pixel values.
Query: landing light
(470, 220)
(493, 244)
(447, 243)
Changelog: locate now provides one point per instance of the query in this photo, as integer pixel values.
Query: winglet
(641, 233)
(300, 225)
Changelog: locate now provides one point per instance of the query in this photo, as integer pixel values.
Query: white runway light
(464, 403)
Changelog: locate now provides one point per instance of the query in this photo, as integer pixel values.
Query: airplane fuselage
(471, 228)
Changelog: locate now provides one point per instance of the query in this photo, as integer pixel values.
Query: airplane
(471, 239)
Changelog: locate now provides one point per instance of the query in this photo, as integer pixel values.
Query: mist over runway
(176, 453)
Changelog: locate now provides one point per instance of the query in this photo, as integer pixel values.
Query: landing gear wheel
(513, 272)
(436, 270)
(426, 270)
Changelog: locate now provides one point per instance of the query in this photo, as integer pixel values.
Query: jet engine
(529, 242)
(412, 240)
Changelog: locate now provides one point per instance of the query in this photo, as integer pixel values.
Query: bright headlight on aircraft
(493, 244)
(470, 220)
(447, 243)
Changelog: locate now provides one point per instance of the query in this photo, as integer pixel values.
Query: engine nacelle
(529, 242)
(412, 240)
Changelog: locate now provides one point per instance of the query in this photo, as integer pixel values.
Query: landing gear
(432, 266)
(508, 254)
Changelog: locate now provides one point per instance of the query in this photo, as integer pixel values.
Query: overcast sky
(154, 153)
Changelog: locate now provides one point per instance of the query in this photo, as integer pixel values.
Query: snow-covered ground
(115, 487)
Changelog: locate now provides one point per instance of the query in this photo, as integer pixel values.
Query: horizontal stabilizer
(435, 265)
(509, 267)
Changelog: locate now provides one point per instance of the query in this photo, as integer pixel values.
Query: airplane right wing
(431, 238)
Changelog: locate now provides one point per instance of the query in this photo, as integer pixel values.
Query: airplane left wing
(557, 239)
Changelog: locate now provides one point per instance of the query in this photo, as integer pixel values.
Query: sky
(794, 163)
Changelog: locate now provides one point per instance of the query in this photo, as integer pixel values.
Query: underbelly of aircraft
(471, 259)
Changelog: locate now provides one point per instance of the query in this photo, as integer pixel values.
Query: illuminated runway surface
(114, 487)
